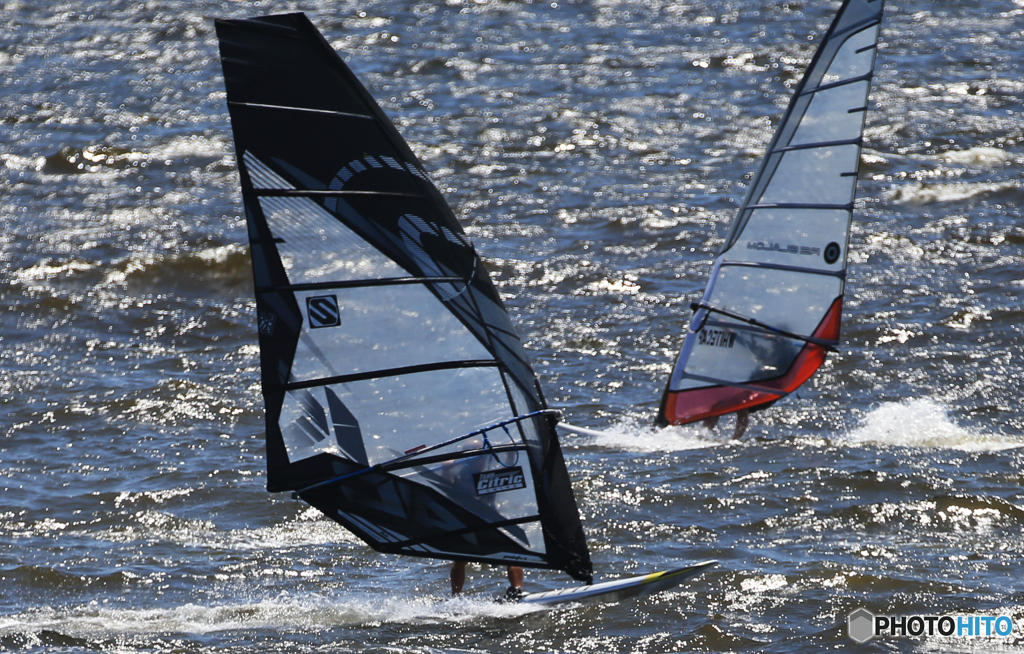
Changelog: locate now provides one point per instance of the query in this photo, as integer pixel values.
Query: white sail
(771, 310)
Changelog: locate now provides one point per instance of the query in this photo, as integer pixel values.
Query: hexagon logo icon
(860, 625)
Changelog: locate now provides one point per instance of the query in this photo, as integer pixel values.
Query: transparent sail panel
(315, 421)
(738, 355)
(855, 58)
(828, 117)
(791, 301)
(317, 247)
(814, 176)
(529, 535)
(355, 330)
(397, 414)
(808, 238)
(261, 176)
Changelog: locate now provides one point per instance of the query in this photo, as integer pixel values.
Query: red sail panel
(683, 407)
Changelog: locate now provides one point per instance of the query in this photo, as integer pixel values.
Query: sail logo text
(786, 249)
(863, 625)
(497, 481)
(716, 337)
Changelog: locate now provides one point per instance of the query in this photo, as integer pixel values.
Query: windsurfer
(742, 420)
(515, 580)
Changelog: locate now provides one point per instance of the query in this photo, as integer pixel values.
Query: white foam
(631, 435)
(925, 423)
(979, 157)
(310, 529)
(48, 270)
(919, 193)
(285, 612)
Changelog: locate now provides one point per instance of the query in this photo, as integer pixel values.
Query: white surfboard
(620, 589)
(583, 431)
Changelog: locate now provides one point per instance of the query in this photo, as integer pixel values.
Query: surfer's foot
(512, 595)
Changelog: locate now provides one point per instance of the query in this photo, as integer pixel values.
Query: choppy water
(596, 152)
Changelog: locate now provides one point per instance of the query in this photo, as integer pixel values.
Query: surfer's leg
(709, 423)
(515, 580)
(515, 576)
(742, 420)
(458, 576)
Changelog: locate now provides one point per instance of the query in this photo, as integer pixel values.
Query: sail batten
(778, 283)
(842, 206)
(399, 399)
(821, 144)
(809, 271)
(359, 283)
(322, 193)
(845, 82)
(258, 105)
(392, 372)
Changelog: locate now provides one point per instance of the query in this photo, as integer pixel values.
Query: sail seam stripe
(287, 193)
(467, 530)
(867, 77)
(820, 144)
(302, 109)
(801, 205)
(722, 382)
(360, 283)
(778, 266)
(391, 372)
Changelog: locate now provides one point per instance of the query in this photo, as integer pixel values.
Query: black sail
(399, 399)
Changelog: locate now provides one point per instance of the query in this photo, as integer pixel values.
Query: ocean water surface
(595, 152)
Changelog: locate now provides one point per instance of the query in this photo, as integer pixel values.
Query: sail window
(401, 413)
(784, 299)
(793, 237)
(855, 58)
(317, 247)
(380, 328)
(814, 176)
(829, 116)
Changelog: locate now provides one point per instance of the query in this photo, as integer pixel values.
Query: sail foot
(693, 404)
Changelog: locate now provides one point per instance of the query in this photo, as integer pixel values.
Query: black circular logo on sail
(323, 311)
(832, 251)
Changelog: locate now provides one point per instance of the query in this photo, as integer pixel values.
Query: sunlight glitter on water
(596, 152)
